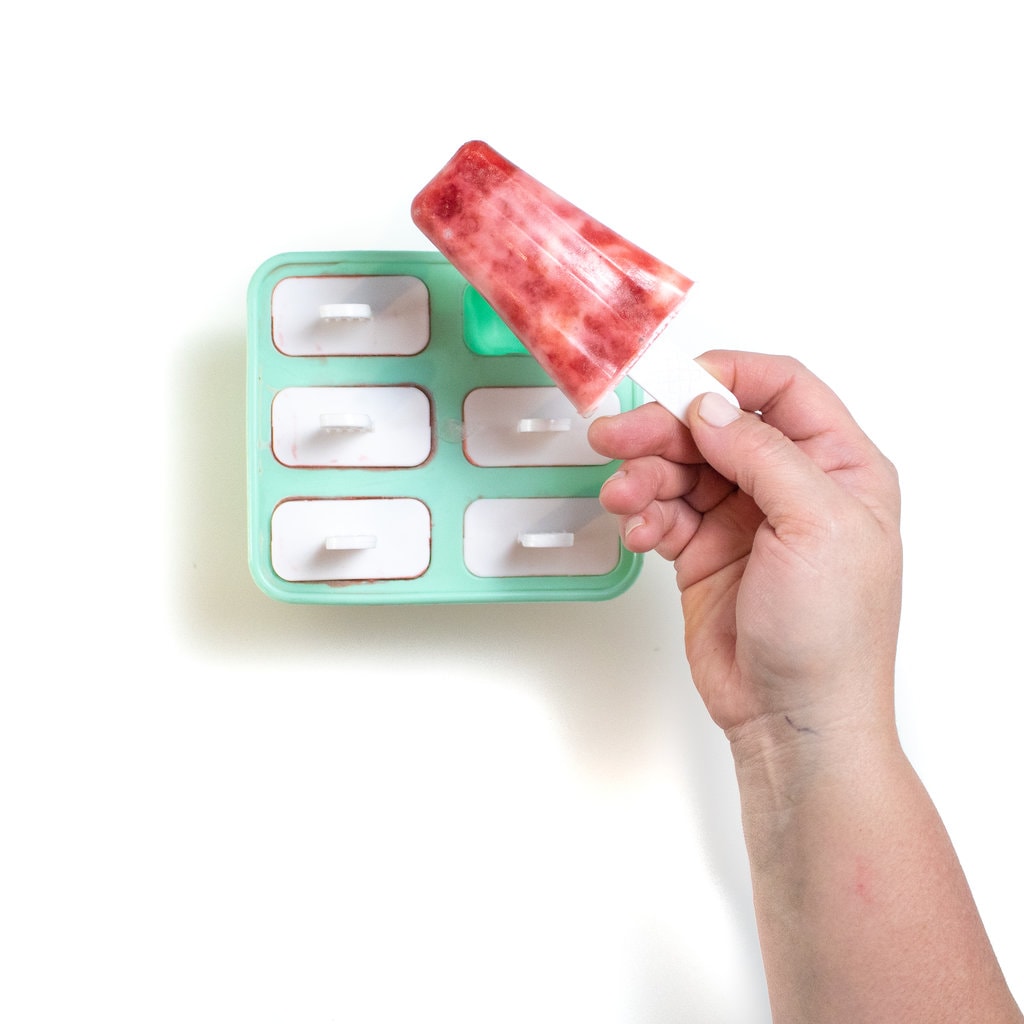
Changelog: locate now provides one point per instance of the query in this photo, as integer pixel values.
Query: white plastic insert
(351, 542)
(539, 425)
(529, 426)
(345, 422)
(539, 537)
(350, 316)
(351, 426)
(335, 311)
(313, 539)
(547, 540)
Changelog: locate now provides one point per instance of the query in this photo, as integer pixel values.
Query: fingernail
(717, 411)
(619, 474)
(633, 523)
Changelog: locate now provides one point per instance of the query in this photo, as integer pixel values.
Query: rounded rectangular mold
(350, 315)
(352, 426)
(529, 427)
(350, 539)
(540, 537)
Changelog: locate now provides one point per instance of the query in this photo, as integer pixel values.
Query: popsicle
(590, 306)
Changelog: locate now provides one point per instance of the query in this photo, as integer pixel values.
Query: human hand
(784, 529)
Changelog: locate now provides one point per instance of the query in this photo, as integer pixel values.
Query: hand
(783, 525)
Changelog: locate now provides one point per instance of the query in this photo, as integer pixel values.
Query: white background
(218, 808)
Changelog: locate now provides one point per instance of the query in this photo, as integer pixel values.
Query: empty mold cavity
(484, 332)
(316, 539)
(350, 316)
(539, 537)
(529, 426)
(355, 426)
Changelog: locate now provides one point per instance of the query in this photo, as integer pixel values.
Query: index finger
(646, 430)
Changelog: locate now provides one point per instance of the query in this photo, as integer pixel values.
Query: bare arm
(784, 531)
(863, 911)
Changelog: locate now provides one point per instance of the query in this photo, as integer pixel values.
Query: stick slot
(547, 540)
(542, 425)
(339, 312)
(351, 542)
(345, 423)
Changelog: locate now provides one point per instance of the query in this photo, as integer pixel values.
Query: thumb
(786, 484)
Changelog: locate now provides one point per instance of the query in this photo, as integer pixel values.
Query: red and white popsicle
(590, 306)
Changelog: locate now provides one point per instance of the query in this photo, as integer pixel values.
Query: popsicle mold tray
(404, 448)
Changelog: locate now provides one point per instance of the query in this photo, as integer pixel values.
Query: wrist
(782, 756)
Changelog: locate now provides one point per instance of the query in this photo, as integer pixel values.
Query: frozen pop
(589, 305)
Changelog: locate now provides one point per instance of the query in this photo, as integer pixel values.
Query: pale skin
(783, 526)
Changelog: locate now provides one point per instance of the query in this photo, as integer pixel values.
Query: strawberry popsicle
(585, 302)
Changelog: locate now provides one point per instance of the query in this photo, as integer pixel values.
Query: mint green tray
(468, 347)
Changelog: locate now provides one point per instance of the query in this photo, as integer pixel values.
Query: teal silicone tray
(399, 440)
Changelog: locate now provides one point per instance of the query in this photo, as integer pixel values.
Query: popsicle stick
(540, 425)
(345, 423)
(350, 542)
(333, 312)
(667, 371)
(547, 540)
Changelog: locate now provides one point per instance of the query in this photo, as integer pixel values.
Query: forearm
(863, 911)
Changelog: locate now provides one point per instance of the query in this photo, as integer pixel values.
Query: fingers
(662, 465)
(804, 445)
(785, 393)
(642, 494)
(781, 389)
(666, 527)
(788, 486)
(797, 452)
(647, 430)
(659, 503)
(651, 478)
